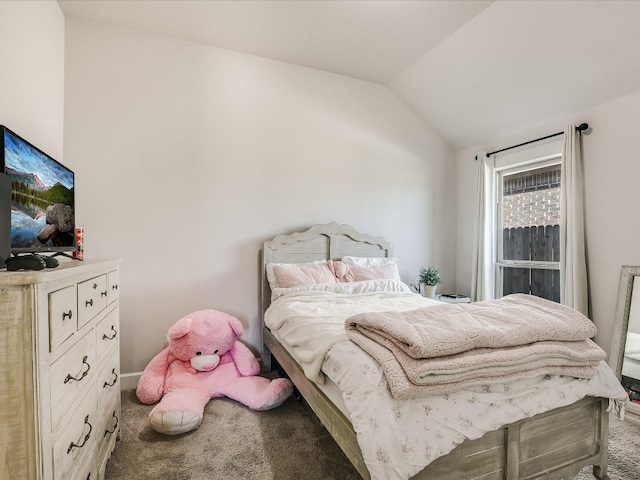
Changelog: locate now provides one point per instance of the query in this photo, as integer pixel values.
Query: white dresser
(59, 371)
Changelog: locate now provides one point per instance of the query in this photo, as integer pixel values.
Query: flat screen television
(42, 197)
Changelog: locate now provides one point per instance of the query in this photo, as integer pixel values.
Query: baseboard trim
(129, 381)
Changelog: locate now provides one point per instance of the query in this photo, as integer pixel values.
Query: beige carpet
(234, 442)
(624, 450)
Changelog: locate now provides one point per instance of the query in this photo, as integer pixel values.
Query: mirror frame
(621, 324)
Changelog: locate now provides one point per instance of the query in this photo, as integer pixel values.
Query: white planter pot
(429, 291)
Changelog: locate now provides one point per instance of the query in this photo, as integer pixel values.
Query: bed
(554, 444)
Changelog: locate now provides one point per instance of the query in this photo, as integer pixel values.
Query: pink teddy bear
(204, 361)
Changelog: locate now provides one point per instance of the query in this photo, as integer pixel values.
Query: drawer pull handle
(115, 427)
(113, 371)
(82, 375)
(73, 445)
(115, 334)
(114, 287)
(89, 303)
(103, 294)
(89, 476)
(95, 285)
(67, 315)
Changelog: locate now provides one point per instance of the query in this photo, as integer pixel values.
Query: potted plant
(429, 278)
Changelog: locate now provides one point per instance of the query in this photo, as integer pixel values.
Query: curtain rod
(580, 128)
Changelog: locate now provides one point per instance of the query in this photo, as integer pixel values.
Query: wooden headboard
(330, 241)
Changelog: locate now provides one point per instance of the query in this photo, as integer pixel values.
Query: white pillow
(369, 286)
(372, 268)
(369, 261)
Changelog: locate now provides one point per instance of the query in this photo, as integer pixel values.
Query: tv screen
(42, 197)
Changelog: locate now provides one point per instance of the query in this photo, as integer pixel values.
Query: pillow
(347, 287)
(369, 261)
(374, 272)
(287, 275)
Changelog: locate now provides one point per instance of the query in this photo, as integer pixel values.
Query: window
(529, 229)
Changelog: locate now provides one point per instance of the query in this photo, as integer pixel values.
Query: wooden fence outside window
(537, 244)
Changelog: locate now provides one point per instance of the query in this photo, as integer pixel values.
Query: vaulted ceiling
(474, 70)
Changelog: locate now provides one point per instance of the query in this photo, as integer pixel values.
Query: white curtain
(574, 290)
(484, 233)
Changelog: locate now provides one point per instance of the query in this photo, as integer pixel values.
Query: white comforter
(398, 438)
(312, 322)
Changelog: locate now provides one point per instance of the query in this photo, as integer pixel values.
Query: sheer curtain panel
(484, 233)
(574, 291)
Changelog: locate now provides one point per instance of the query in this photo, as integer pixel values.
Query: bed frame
(552, 445)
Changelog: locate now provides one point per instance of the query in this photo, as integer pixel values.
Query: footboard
(555, 444)
(551, 445)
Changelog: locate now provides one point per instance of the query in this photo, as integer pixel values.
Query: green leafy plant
(430, 276)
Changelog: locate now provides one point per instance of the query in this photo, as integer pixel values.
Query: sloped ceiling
(473, 70)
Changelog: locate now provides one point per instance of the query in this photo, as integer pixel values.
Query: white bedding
(328, 306)
(398, 438)
(631, 364)
(329, 388)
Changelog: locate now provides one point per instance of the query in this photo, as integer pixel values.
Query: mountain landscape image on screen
(42, 198)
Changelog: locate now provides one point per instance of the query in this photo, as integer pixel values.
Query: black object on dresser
(5, 218)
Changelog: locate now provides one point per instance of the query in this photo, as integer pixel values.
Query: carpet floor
(234, 442)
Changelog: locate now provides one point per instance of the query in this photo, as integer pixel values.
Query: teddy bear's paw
(174, 422)
(278, 399)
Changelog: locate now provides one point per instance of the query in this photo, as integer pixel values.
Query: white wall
(612, 171)
(189, 157)
(32, 79)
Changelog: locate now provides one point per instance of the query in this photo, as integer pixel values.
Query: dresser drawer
(113, 284)
(108, 432)
(63, 315)
(108, 382)
(70, 375)
(76, 444)
(92, 299)
(88, 471)
(107, 334)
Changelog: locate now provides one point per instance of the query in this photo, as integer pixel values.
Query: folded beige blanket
(501, 360)
(448, 329)
(401, 387)
(448, 347)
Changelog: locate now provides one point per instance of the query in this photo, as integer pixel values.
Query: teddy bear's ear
(180, 328)
(236, 326)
